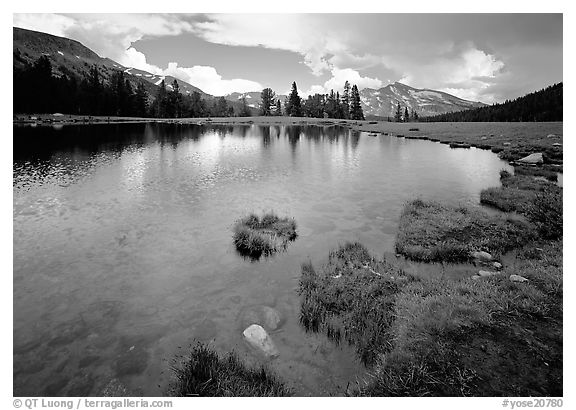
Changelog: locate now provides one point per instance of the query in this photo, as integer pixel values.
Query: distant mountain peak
(426, 102)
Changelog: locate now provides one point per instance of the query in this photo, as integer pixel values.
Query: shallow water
(123, 253)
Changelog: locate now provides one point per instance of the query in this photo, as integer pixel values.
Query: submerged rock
(482, 256)
(518, 278)
(535, 158)
(261, 315)
(257, 337)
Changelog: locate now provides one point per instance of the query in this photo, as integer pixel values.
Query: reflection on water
(123, 252)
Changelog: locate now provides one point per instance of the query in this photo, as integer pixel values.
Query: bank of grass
(255, 236)
(204, 373)
(432, 336)
(433, 232)
(350, 299)
(539, 200)
(489, 337)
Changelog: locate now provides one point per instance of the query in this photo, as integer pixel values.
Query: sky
(479, 57)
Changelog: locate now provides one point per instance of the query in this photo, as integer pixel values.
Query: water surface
(123, 253)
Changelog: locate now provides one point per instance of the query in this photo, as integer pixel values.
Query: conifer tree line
(332, 105)
(37, 90)
(543, 105)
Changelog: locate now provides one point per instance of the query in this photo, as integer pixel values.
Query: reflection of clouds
(133, 164)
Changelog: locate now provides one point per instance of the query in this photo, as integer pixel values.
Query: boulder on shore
(257, 337)
(484, 273)
(518, 278)
(535, 158)
(481, 256)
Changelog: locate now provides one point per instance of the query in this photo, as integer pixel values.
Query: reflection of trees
(293, 132)
(240, 130)
(265, 131)
(354, 139)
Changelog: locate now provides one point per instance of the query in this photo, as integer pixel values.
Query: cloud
(112, 35)
(465, 71)
(339, 77)
(208, 80)
(468, 55)
(47, 23)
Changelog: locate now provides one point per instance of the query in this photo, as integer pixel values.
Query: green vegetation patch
(255, 236)
(204, 373)
(351, 298)
(432, 232)
(488, 337)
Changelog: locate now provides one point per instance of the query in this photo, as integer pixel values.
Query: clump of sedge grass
(432, 232)
(204, 373)
(351, 299)
(254, 236)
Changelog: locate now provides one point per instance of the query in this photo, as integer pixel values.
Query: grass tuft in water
(350, 299)
(254, 236)
(206, 374)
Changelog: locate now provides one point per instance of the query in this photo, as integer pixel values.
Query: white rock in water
(475, 277)
(518, 278)
(535, 158)
(481, 255)
(487, 273)
(259, 339)
(497, 265)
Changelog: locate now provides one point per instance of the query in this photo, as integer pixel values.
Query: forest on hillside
(543, 105)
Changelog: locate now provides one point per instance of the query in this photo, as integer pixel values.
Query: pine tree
(398, 114)
(159, 106)
(356, 112)
(406, 115)
(174, 101)
(278, 108)
(267, 100)
(346, 100)
(140, 101)
(244, 110)
(293, 107)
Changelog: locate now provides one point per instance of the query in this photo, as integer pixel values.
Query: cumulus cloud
(48, 23)
(339, 77)
(466, 72)
(208, 80)
(112, 35)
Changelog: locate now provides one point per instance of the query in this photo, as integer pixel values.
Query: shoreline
(511, 141)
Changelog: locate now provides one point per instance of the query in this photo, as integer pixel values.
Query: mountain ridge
(383, 102)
